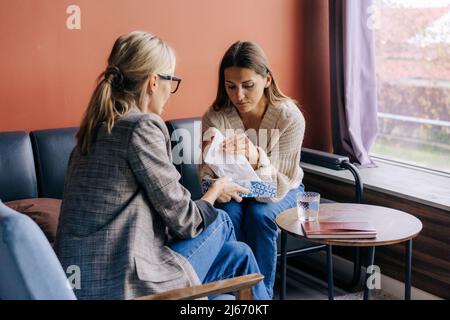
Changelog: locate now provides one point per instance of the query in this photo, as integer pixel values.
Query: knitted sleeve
(280, 162)
(209, 119)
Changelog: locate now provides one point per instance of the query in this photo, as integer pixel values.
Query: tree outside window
(412, 41)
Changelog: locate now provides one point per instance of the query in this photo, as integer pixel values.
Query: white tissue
(236, 167)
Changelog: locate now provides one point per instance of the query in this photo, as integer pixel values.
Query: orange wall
(48, 72)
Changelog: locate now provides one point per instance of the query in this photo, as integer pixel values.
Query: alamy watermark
(73, 21)
(374, 279)
(374, 17)
(74, 277)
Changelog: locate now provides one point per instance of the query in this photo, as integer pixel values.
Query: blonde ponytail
(134, 57)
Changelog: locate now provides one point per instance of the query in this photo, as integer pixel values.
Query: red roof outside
(414, 43)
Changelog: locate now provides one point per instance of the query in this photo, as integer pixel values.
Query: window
(412, 49)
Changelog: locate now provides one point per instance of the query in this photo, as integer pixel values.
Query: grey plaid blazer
(121, 204)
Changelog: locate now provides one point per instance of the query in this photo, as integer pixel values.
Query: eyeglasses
(175, 81)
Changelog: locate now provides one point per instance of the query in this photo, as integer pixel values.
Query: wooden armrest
(241, 284)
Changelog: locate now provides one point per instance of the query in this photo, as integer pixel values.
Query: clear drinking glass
(308, 206)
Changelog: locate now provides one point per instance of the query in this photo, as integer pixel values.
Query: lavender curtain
(353, 81)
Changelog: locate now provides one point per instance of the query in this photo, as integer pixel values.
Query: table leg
(370, 261)
(408, 263)
(283, 266)
(356, 269)
(330, 272)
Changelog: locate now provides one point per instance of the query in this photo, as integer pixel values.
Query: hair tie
(114, 76)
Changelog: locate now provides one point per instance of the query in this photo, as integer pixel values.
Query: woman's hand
(223, 190)
(240, 144)
(230, 191)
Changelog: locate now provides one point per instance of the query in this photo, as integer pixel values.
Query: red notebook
(338, 230)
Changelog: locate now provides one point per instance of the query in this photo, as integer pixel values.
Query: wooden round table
(393, 226)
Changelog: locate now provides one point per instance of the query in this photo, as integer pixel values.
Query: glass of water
(308, 206)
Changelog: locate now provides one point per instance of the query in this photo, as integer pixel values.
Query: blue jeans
(216, 255)
(254, 224)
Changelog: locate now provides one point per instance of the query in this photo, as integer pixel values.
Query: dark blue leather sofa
(34, 165)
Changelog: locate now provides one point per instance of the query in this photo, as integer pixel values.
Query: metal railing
(440, 123)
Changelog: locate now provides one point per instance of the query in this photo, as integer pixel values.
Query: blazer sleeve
(152, 166)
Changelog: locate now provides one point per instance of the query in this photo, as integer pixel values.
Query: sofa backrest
(186, 151)
(17, 170)
(51, 149)
(34, 165)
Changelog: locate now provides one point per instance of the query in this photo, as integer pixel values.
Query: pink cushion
(44, 211)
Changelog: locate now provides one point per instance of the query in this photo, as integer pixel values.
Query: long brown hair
(246, 54)
(133, 58)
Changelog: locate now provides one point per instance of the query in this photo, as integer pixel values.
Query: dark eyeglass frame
(165, 76)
